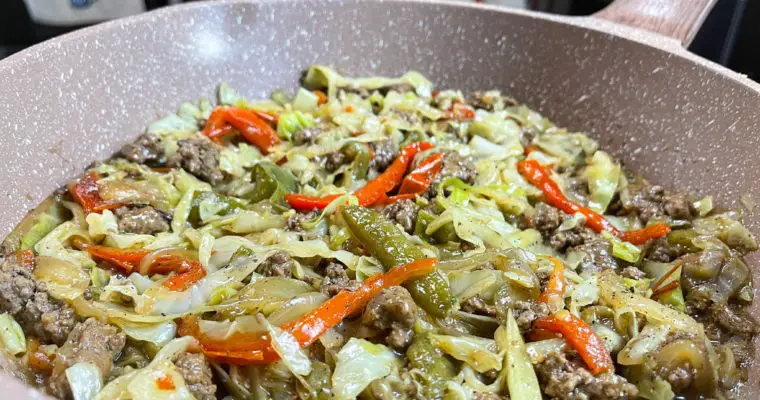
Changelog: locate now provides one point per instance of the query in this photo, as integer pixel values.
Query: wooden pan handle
(679, 19)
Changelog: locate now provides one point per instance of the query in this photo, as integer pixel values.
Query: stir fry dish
(374, 238)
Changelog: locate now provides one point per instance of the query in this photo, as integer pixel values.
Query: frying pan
(678, 119)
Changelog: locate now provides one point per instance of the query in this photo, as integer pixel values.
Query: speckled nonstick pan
(680, 120)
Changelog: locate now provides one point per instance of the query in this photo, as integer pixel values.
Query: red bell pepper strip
(24, 257)
(253, 128)
(306, 202)
(268, 117)
(554, 293)
(537, 175)
(128, 260)
(188, 271)
(460, 112)
(165, 382)
(321, 97)
(392, 176)
(419, 179)
(374, 190)
(665, 289)
(581, 337)
(255, 348)
(641, 236)
(529, 149)
(665, 276)
(85, 192)
(216, 125)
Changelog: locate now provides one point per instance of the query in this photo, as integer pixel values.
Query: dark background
(730, 36)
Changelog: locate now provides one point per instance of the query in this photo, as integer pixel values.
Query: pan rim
(590, 24)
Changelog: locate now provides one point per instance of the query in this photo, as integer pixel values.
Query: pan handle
(679, 19)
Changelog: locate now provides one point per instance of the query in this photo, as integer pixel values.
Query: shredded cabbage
(613, 293)
(522, 382)
(158, 334)
(639, 348)
(144, 385)
(121, 386)
(481, 354)
(289, 350)
(85, 380)
(292, 122)
(99, 225)
(304, 101)
(621, 249)
(603, 175)
(64, 280)
(53, 245)
(188, 185)
(359, 363)
(11, 334)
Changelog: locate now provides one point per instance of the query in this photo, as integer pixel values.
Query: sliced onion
(79, 216)
(64, 279)
(161, 256)
(296, 307)
(684, 351)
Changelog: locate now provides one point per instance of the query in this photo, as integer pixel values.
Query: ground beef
(196, 371)
(334, 160)
(279, 264)
(453, 166)
(385, 152)
(733, 320)
(744, 351)
(680, 378)
(696, 300)
(393, 311)
(200, 157)
(491, 100)
(17, 285)
(309, 135)
(92, 341)
(662, 251)
(361, 91)
(143, 220)
(678, 206)
(561, 240)
(394, 387)
(568, 379)
(476, 305)
(404, 213)
(597, 256)
(336, 279)
(295, 220)
(633, 273)
(645, 200)
(527, 311)
(146, 149)
(546, 219)
(399, 87)
(651, 201)
(706, 265)
(408, 116)
(47, 318)
(27, 299)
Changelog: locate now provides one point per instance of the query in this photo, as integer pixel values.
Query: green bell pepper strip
(224, 204)
(436, 367)
(360, 154)
(392, 248)
(271, 182)
(442, 235)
